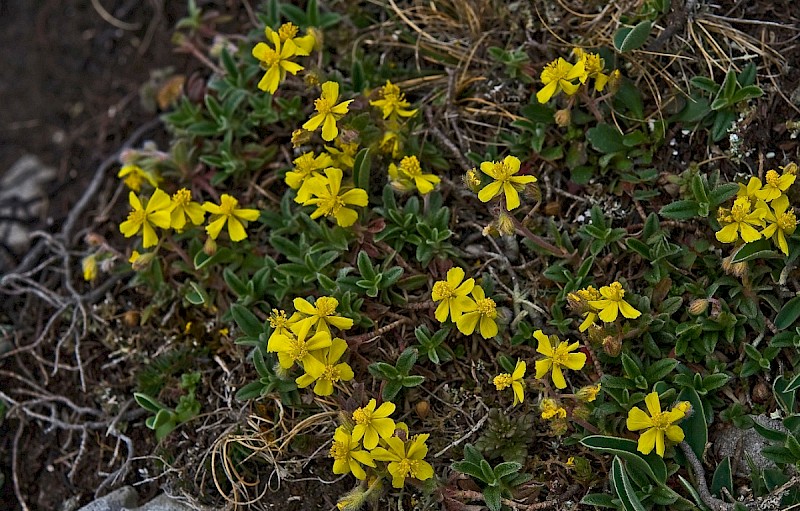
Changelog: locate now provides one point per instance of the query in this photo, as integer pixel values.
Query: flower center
(271, 57)
(556, 70)
(487, 307)
(407, 467)
(661, 421)
(592, 63)
(134, 181)
(443, 289)
(616, 292)
(502, 172)
(787, 221)
(339, 451)
(410, 165)
(138, 216)
(740, 209)
(362, 416)
(502, 381)
(298, 350)
(304, 164)
(278, 320)
(323, 106)
(182, 197)
(326, 306)
(227, 205)
(331, 373)
(772, 178)
(560, 354)
(287, 31)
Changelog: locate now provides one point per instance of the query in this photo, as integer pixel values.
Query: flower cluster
(465, 303)
(371, 435)
(305, 339)
(761, 206)
(560, 75)
(277, 59)
(408, 176)
(557, 354)
(606, 304)
(395, 111)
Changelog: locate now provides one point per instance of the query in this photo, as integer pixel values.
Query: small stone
(119, 500)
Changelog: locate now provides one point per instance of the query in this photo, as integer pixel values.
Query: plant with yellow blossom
(580, 302)
(135, 176)
(408, 175)
(559, 75)
(277, 60)
(550, 409)
(393, 103)
(320, 316)
(593, 66)
(482, 316)
(453, 293)
(740, 221)
(515, 380)
(612, 303)
(505, 181)
(348, 456)
(228, 211)
(657, 424)
(145, 215)
(324, 193)
(775, 185)
(306, 166)
(298, 347)
(184, 207)
(556, 357)
(329, 371)
(406, 459)
(781, 222)
(329, 111)
(372, 423)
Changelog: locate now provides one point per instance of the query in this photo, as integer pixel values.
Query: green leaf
(491, 495)
(627, 39)
(705, 84)
(785, 399)
(722, 122)
(598, 500)
(606, 139)
(147, 402)
(694, 427)
(630, 366)
(362, 167)
(391, 390)
(760, 249)
(623, 487)
(699, 188)
(715, 381)
(723, 192)
(651, 465)
(788, 314)
(246, 320)
(406, 360)
(413, 381)
(365, 266)
(250, 391)
(723, 478)
(693, 492)
(469, 468)
(793, 384)
(681, 210)
(659, 369)
(778, 454)
(507, 468)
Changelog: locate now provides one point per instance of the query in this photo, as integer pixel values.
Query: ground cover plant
(401, 258)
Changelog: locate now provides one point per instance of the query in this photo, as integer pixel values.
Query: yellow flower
(347, 457)
(593, 68)
(372, 423)
(393, 103)
(390, 143)
(774, 185)
(135, 176)
(280, 324)
(328, 111)
(291, 349)
(613, 303)
(657, 424)
(484, 313)
(589, 393)
(780, 222)
(504, 181)
(276, 60)
(557, 357)
(320, 316)
(144, 216)
(287, 34)
(557, 76)
(89, 267)
(406, 459)
(409, 176)
(579, 301)
(183, 206)
(325, 195)
(330, 372)
(550, 409)
(472, 179)
(741, 222)
(306, 166)
(452, 292)
(135, 255)
(514, 380)
(343, 154)
(750, 190)
(228, 211)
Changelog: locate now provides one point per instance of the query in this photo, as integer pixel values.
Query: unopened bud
(614, 81)
(698, 306)
(311, 78)
(422, 408)
(533, 191)
(140, 262)
(563, 118)
(210, 246)
(473, 180)
(612, 345)
(505, 225)
(790, 169)
(685, 407)
(300, 137)
(589, 393)
(89, 266)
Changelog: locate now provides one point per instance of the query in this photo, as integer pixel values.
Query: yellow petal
(329, 129)
(544, 95)
(628, 311)
(637, 419)
(544, 346)
(213, 229)
(512, 196)
(575, 361)
(647, 441)
(675, 433)
(490, 191)
(558, 377)
(653, 404)
(728, 234)
(543, 367)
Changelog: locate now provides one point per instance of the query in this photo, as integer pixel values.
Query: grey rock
(744, 445)
(126, 499)
(22, 186)
(119, 500)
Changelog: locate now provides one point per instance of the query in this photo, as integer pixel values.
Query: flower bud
(563, 118)
(300, 137)
(422, 408)
(210, 246)
(505, 225)
(89, 266)
(790, 169)
(612, 345)
(698, 306)
(473, 180)
(141, 261)
(589, 393)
